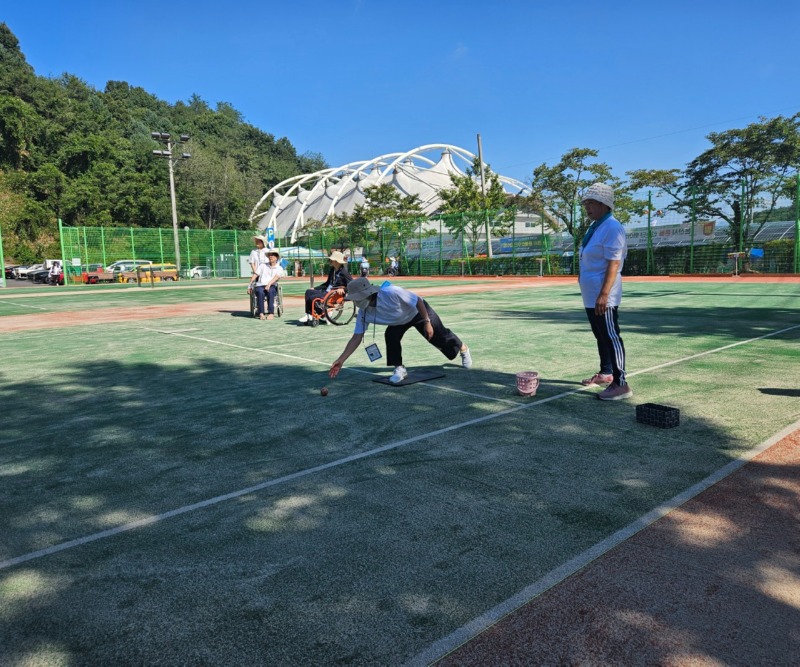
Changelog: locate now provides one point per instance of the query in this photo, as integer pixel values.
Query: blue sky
(643, 83)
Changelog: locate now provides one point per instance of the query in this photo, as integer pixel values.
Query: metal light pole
(166, 138)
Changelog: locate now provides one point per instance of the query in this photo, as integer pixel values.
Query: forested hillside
(70, 151)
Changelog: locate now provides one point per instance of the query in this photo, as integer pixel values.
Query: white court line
(20, 305)
(153, 519)
(442, 647)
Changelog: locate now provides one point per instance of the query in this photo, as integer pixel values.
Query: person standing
(602, 254)
(338, 278)
(400, 310)
(258, 255)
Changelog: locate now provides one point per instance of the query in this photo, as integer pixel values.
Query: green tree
(475, 209)
(741, 179)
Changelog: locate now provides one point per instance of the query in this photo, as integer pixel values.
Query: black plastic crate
(658, 415)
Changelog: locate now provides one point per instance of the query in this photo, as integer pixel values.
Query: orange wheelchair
(332, 308)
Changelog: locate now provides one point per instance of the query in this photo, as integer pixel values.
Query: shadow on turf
(719, 321)
(99, 443)
(780, 392)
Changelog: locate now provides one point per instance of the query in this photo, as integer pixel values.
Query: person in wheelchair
(338, 279)
(265, 283)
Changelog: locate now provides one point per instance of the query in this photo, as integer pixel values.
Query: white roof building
(423, 171)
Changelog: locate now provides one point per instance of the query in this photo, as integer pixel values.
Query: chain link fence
(662, 240)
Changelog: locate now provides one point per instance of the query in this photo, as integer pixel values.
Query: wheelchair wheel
(337, 310)
(279, 302)
(253, 304)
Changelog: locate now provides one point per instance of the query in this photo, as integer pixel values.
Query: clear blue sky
(643, 83)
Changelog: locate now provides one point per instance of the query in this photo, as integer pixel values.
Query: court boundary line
(208, 502)
(472, 629)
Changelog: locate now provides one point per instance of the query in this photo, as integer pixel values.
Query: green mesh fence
(661, 241)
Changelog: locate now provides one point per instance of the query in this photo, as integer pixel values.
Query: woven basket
(527, 383)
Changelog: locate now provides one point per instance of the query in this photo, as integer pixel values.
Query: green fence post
(188, 251)
(133, 246)
(213, 254)
(3, 257)
(741, 222)
(649, 233)
(64, 271)
(161, 245)
(419, 257)
(102, 246)
(796, 258)
(693, 222)
(85, 248)
(441, 265)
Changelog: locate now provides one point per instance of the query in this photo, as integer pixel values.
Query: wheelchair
(278, 302)
(333, 308)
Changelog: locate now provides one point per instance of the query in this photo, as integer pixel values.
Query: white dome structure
(423, 171)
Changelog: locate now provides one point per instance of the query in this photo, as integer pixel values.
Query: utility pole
(166, 138)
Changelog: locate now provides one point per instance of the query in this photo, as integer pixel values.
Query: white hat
(337, 256)
(272, 251)
(259, 237)
(600, 192)
(359, 289)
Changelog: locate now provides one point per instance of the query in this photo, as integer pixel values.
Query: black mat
(413, 376)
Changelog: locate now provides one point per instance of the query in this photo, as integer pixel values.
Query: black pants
(312, 294)
(609, 343)
(443, 339)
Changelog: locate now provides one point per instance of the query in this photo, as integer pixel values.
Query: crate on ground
(654, 414)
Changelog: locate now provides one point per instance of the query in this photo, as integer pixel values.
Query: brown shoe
(615, 393)
(598, 380)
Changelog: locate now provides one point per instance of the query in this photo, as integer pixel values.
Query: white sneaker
(304, 319)
(466, 359)
(400, 374)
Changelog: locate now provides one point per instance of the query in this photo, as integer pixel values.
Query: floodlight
(186, 156)
(184, 137)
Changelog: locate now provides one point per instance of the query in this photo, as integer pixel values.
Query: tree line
(70, 151)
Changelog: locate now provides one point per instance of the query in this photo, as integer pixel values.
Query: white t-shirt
(266, 272)
(395, 305)
(258, 256)
(607, 243)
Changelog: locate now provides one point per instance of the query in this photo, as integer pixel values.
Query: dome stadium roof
(423, 171)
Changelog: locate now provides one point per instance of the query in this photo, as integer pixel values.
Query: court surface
(175, 490)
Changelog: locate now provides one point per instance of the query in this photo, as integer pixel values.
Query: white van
(126, 265)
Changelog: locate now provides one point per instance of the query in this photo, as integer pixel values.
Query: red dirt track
(28, 321)
(714, 582)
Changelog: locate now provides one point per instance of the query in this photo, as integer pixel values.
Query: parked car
(22, 271)
(9, 270)
(39, 276)
(126, 265)
(200, 272)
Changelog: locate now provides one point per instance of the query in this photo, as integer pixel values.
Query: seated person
(338, 278)
(265, 283)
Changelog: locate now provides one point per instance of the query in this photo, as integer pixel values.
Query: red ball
(323, 391)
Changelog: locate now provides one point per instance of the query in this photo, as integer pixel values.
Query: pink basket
(527, 383)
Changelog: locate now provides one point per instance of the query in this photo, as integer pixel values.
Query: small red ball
(324, 391)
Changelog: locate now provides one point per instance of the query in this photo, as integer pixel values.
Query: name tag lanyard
(372, 349)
